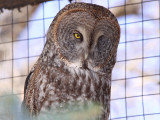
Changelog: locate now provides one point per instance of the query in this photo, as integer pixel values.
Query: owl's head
(86, 35)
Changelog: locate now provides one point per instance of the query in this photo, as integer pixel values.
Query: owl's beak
(85, 56)
(84, 60)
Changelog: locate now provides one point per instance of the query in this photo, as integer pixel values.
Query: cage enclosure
(135, 90)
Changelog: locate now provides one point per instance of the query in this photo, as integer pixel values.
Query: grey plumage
(77, 60)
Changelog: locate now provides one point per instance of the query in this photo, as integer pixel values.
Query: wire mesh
(135, 93)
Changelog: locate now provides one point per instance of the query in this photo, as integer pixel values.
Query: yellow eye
(77, 36)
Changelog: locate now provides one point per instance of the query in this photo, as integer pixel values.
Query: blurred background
(135, 93)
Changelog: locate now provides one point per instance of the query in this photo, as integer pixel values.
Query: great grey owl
(76, 62)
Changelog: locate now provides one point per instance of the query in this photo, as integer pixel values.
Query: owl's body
(77, 60)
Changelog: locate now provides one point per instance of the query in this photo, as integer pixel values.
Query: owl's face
(84, 39)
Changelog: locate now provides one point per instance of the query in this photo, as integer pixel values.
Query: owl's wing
(24, 111)
(27, 82)
(29, 77)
